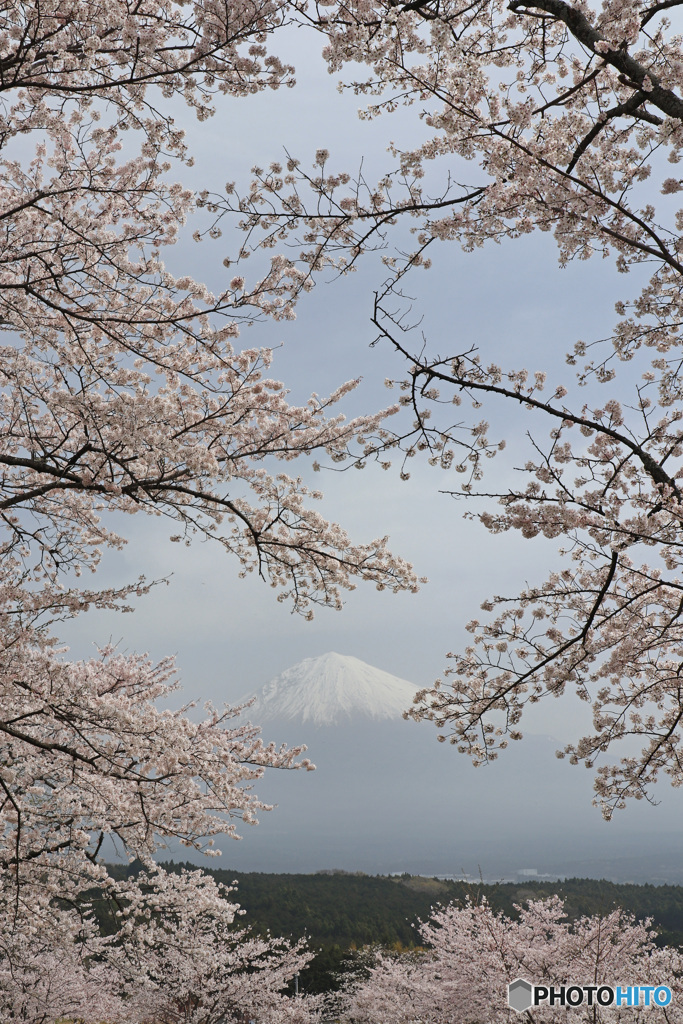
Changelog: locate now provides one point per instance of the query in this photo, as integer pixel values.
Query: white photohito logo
(522, 995)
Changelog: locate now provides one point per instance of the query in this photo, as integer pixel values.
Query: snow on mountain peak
(330, 689)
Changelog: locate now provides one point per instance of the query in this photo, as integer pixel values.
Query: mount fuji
(331, 690)
(387, 797)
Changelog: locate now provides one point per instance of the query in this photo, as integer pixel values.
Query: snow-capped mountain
(386, 796)
(330, 690)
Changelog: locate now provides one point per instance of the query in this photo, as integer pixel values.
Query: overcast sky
(230, 636)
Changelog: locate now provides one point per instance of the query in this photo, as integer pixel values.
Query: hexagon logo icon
(520, 994)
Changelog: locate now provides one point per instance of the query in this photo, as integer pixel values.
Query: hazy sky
(231, 636)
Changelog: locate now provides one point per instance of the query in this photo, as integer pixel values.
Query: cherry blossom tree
(183, 961)
(177, 955)
(562, 117)
(122, 390)
(474, 954)
(121, 386)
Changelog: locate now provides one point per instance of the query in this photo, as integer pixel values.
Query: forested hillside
(340, 913)
(357, 909)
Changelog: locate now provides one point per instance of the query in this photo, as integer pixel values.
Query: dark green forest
(341, 912)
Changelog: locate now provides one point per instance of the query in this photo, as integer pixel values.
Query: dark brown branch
(582, 30)
(652, 11)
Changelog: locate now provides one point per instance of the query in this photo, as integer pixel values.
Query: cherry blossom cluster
(174, 955)
(470, 955)
(185, 960)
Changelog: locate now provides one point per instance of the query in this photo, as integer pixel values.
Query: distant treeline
(341, 912)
